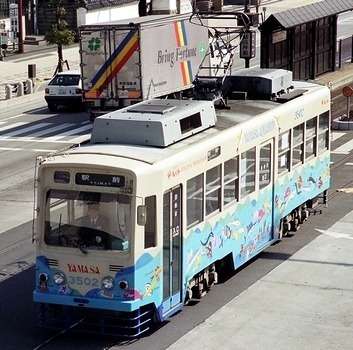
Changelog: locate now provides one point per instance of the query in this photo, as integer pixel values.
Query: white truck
(124, 62)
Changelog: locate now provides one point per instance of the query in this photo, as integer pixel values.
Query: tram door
(266, 177)
(171, 248)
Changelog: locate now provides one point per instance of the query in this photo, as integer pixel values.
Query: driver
(96, 226)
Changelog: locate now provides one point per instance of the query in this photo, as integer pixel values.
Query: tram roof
(240, 113)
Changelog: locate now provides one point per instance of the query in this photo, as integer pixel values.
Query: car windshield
(65, 80)
(88, 220)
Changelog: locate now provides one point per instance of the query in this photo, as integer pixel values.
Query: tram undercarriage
(293, 221)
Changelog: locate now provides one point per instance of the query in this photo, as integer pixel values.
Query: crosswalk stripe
(15, 136)
(27, 150)
(12, 126)
(48, 131)
(69, 133)
(28, 139)
(80, 139)
(24, 130)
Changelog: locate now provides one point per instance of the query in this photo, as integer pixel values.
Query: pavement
(305, 303)
(15, 68)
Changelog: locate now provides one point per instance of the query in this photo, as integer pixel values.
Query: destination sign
(62, 177)
(100, 180)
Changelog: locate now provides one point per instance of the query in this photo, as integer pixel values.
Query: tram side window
(247, 182)
(324, 132)
(284, 152)
(265, 166)
(298, 144)
(231, 178)
(194, 200)
(150, 227)
(213, 189)
(310, 138)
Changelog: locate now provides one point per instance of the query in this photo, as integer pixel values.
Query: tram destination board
(92, 179)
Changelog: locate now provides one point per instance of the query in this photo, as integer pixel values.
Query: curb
(21, 100)
(39, 86)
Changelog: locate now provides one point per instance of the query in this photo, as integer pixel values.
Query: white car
(64, 89)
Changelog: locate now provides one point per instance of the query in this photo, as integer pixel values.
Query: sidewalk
(306, 303)
(14, 68)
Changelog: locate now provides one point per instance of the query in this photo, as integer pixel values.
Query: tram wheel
(188, 296)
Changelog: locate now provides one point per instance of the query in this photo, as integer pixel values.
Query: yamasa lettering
(78, 268)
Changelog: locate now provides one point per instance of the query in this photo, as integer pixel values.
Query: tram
(186, 188)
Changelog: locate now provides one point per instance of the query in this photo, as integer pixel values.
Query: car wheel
(52, 107)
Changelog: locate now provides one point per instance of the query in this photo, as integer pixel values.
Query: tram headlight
(123, 285)
(107, 283)
(43, 277)
(59, 278)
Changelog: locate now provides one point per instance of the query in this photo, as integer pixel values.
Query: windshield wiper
(79, 246)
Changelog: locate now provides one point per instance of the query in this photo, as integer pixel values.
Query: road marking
(40, 130)
(70, 132)
(28, 139)
(47, 131)
(337, 135)
(24, 130)
(335, 234)
(344, 149)
(14, 117)
(27, 150)
(81, 138)
(12, 126)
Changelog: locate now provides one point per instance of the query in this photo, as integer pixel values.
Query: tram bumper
(85, 315)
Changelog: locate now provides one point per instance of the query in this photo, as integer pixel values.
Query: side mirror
(141, 215)
(212, 49)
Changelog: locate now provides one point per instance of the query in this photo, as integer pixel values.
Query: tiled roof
(96, 4)
(308, 13)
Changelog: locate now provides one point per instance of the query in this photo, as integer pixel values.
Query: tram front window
(87, 220)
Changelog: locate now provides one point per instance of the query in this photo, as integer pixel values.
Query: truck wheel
(52, 107)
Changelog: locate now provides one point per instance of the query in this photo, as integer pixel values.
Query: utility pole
(20, 26)
(247, 4)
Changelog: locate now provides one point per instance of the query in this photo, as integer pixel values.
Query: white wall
(164, 6)
(107, 14)
(185, 6)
